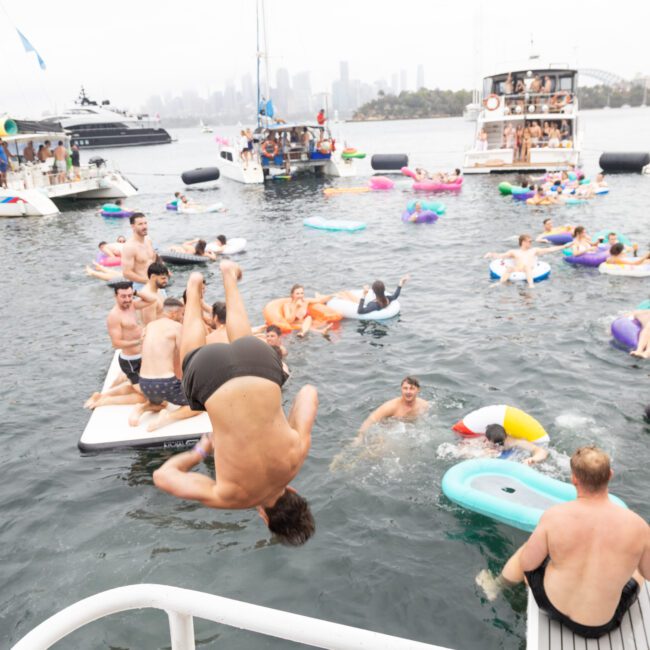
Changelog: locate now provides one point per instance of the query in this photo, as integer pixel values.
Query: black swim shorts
(206, 369)
(629, 595)
(131, 367)
(168, 389)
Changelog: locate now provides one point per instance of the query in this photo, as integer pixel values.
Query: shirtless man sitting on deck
(126, 336)
(525, 258)
(160, 369)
(257, 451)
(586, 559)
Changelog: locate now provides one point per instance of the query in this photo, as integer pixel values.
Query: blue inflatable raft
(509, 492)
(334, 225)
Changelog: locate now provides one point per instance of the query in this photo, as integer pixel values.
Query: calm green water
(391, 553)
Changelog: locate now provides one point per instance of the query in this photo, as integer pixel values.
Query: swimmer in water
(496, 435)
(525, 258)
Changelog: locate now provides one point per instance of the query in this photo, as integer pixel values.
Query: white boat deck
(633, 634)
(108, 427)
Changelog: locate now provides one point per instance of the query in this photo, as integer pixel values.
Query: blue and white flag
(30, 48)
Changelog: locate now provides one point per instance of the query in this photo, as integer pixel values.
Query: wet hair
(495, 433)
(611, 234)
(295, 286)
(291, 519)
(135, 216)
(222, 239)
(523, 238)
(177, 195)
(617, 248)
(199, 247)
(578, 230)
(457, 171)
(157, 268)
(101, 243)
(123, 238)
(590, 465)
(379, 289)
(219, 311)
(557, 183)
(412, 381)
(125, 284)
(172, 304)
(546, 220)
(273, 328)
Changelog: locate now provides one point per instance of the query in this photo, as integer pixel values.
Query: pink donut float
(381, 183)
(108, 261)
(433, 186)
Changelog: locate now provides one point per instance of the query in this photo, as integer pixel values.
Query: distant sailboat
(204, 127)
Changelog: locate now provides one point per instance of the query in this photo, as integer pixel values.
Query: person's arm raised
(146, 299)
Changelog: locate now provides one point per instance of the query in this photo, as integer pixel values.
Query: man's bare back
(161, 349)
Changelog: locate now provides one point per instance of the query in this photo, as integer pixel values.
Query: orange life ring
(325, 147)
(492, 102)
(274, 315)
(270, 148)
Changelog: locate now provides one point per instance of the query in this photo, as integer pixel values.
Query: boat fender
(200, 175)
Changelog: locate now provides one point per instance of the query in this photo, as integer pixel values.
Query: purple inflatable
(626, 331)
(589, 259)
(426, 216)
(559, 238)
(522, 196)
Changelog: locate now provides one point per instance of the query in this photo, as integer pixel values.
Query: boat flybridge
(33, 187)
(542, 103)
(283, 150)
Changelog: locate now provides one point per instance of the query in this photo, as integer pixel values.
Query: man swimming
(524, 258)
(407, 406)
(257, 450)
(586, 558)
(496, 435)
(160, 367)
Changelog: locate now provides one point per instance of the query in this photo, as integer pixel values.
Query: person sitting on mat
(257, 450)
(194, 247)
(586, 558)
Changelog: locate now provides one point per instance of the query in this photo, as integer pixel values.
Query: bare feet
(136, 414)
(89, 271)
(488, 583)
(228, 267)
(163, 418)
(91, 402)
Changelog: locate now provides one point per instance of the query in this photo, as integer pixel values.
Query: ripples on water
(391, 553)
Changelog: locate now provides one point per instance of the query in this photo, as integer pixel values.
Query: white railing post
(181, 630)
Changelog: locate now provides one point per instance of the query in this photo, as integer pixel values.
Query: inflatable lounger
(509, 492)
(182, 259)
(108, 427)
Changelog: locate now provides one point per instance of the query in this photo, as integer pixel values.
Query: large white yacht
(534, 96)
(92, 125)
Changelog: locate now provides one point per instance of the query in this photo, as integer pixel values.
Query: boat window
(566, 83)
(227, 155)
(487, 86)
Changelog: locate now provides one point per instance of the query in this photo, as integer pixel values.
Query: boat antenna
(266, 51)
(259, 54)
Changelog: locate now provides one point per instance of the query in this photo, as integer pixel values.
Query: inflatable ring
(269, 148)
(183, 259)
(516, 422)
(117, 214)
(595, 258)
(348, 309)
(425, 216)
(273, 314)
(108, 261)
(492, 102)
(541, 271)
(626, 270)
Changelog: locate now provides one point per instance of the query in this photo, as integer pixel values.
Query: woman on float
(295, 312)
(381, 300)
(616, 253)
(582, 242)
(194, 247)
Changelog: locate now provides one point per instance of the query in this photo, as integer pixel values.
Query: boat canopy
(562, 80)
(289, 127)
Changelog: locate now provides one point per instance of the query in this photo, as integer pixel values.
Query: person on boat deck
(60, 162)
(524, 259)
(46, 152)
(547, 85)
(482, 140)
(4, 164)
(28, 152)
(320, 118)
(508, 140)
(257, 450)
(126, 335)
(244, 151)
(508, 87)
(295, 311)
(194, 247)
(586, 558)
(616, 253)
(496, 435)
(408, 406)
(76, 162)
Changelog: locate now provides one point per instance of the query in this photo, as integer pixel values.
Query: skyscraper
(403, 84)
(420, 83)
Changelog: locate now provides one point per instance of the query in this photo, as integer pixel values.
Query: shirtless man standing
(126, 335)
(158, 275)
(138, 252)
(160, 369)
(586, 559)
(525, 258)
(406, 407)
(257, 451)
(60, 162)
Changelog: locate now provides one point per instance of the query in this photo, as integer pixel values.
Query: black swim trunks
(168, 389)
(628, 598)
(131, 367)
(206, 369)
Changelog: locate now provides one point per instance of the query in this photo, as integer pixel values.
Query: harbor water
(391, 553)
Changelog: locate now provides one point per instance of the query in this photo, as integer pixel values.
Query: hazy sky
(127, 51)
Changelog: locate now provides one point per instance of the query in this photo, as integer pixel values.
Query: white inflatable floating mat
(108, 427)
(234, 245)
(542, 633)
